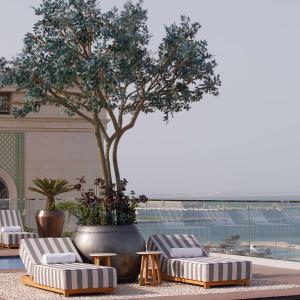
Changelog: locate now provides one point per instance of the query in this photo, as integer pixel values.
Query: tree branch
(134, 117)
(70, 107)
(108, 109)
(102, 129)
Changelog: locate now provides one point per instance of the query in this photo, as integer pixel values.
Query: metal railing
(269, 229)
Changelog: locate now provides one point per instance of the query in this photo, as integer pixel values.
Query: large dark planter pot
(50, 223)
(124, 240)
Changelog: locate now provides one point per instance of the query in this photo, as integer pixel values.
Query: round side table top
(149, 252)
(102, 254)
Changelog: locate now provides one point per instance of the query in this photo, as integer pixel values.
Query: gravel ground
(12, 289)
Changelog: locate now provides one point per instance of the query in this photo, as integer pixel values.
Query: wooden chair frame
(25, 279)
(10, 246)
(206, 284)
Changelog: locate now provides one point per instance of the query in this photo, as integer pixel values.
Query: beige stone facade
(44, 145)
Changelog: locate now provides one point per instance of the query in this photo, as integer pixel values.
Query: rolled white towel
(58, 258)
(11, 229)
(185, 252)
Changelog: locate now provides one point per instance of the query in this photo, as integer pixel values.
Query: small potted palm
(50, 221)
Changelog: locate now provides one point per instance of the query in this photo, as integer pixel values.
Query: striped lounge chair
(12, 239)
(66, 279)
(205, 270)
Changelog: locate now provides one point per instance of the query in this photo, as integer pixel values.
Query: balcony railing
(269, 229)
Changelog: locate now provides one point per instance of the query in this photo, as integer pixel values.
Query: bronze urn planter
(50, 223)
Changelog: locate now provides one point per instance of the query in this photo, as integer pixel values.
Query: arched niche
(3, 190)
(9, 185)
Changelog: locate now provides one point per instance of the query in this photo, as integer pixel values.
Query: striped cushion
(10, 218)
(75, 276)
(32, 250)
(164, 243)
(209, 268)
(14, 238)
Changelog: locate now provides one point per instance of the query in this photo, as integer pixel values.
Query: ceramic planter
(50, 223)
(124, 240)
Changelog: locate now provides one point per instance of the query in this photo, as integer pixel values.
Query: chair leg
(153, 270)
(206, 285)
(157, 270)
(107, 261)
(97, 261)
(146, 269)
(247, 283)
(142, 271)
(66, 293)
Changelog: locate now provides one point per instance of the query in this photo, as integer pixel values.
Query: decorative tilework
(12, 157)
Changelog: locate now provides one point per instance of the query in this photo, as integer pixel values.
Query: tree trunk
(102, 158)
(107, 158)
(116, 164)
(50, 203)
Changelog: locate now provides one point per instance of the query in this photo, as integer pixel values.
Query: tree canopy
(86, 60)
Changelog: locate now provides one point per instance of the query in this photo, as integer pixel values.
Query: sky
(246, 140)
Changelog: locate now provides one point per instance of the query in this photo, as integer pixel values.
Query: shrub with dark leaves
(103, 206)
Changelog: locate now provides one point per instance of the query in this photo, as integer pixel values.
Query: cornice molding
(46, 119)
(47, 124)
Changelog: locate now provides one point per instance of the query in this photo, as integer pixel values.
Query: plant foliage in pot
(108, 225)
(50, 221)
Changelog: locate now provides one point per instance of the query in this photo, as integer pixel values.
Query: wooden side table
(105, 256)
(152, 258)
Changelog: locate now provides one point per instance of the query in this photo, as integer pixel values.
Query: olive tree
(85, 61)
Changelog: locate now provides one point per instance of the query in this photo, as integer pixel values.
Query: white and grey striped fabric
(75, 276)
(164, 242)
(14, 238)
(203, 268)
(209, 269)
(32, 250)
(12, 218)
(63, 276)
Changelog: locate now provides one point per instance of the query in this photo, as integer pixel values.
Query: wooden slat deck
(8, 252)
